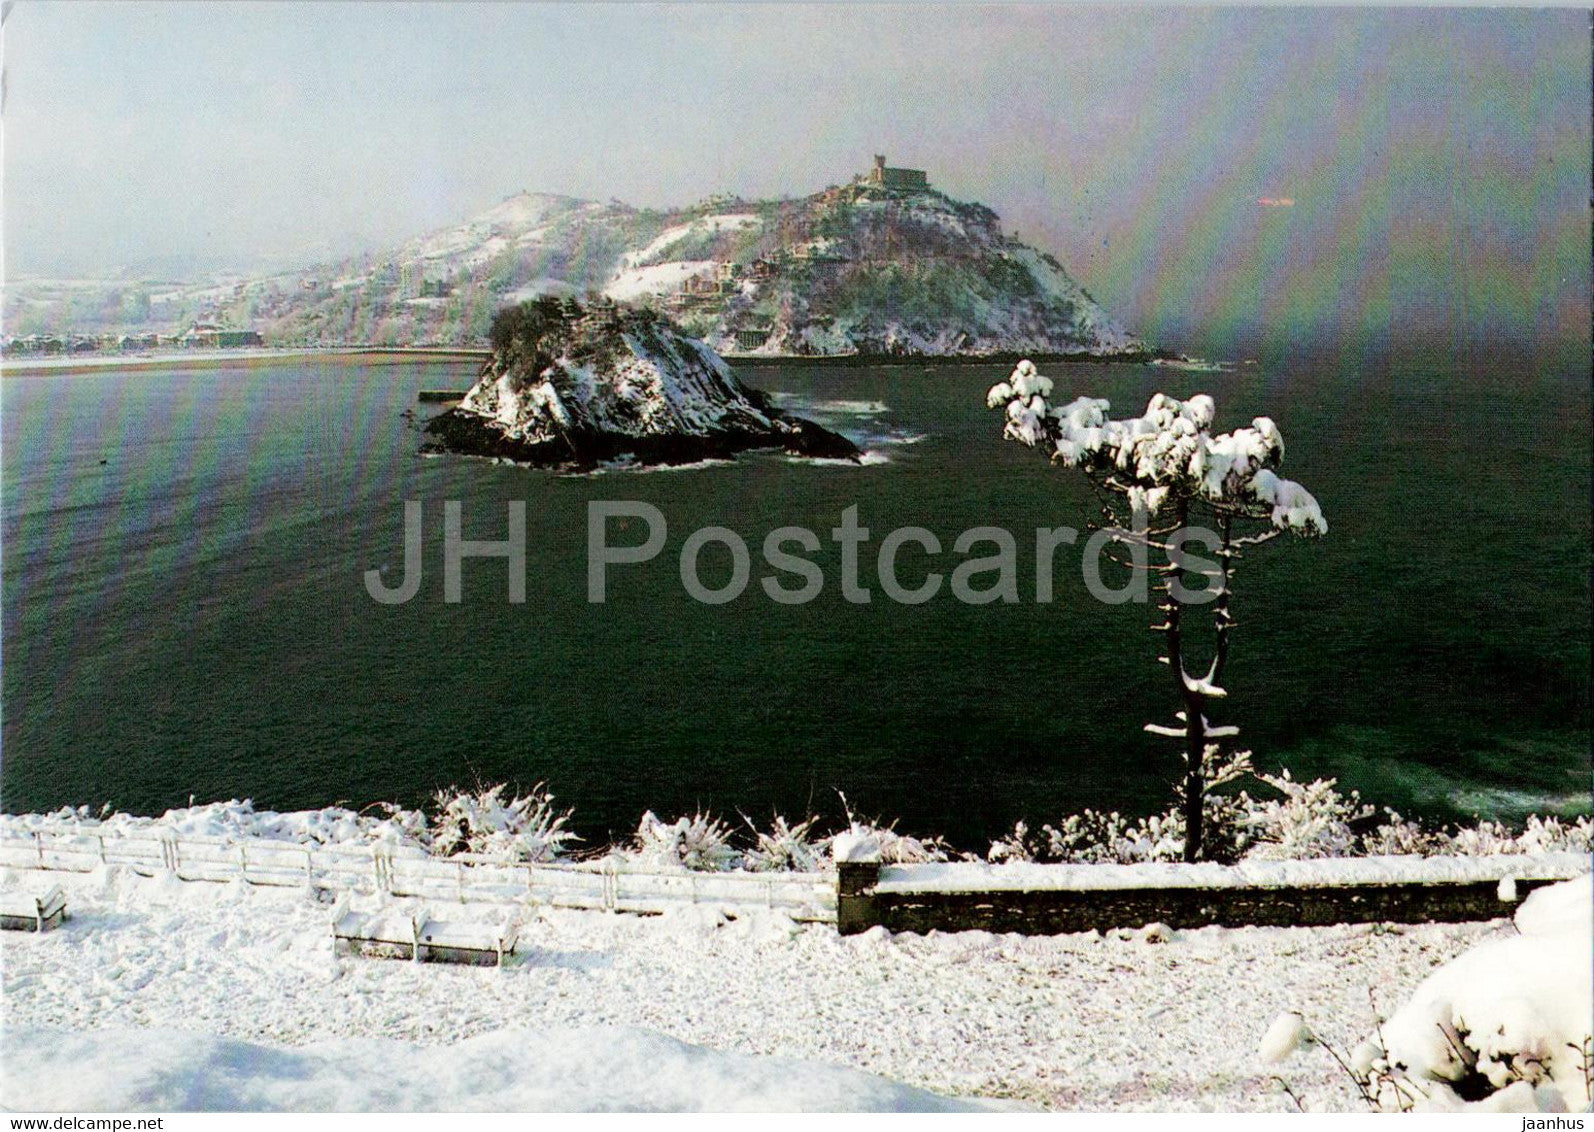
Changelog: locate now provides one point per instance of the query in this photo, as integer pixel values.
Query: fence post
(855, 904)
(169, 855)
(611, 885)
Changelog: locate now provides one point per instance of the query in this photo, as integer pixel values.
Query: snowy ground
(1081, 1021)
(585, 1069)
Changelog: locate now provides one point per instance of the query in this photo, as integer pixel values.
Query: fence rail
(406, 871)
(957, 897)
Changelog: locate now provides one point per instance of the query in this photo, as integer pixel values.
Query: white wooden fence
(407, 871)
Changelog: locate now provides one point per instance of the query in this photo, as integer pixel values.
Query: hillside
(883, 265)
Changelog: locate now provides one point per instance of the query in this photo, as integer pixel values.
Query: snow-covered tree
(1160, 476)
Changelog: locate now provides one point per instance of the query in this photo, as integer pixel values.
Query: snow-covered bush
(1019, 845)
(1505, 1026)
(411, 826)
(1539, 835)
(1091, 837)
(785, 847)
(233, 820)
(701, 843)
(1304, 820)
(894, 848)
(1401, 837)
(524, 828)
(1312, 819)
(1553, 835)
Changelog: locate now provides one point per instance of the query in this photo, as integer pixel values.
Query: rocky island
(572, 386)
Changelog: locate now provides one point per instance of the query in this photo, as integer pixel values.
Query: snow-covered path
(1080, 1021)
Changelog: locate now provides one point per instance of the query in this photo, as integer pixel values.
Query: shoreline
(398, 355)
(221, 359)
(1006, 358)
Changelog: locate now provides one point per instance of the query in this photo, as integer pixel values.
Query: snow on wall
(961, 876)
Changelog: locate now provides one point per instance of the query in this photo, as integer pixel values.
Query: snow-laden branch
(1182, 731)
(1169, 450)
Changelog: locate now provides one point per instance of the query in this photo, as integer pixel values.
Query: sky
(1201, 171)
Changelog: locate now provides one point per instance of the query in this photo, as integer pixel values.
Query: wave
(898, 438)
(869, 459)
(830, 407)
(630, 466)
(850, 408)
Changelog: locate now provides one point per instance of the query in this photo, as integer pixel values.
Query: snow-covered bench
(20, 911)
(479, 944)
(417, 936)
(384, 934)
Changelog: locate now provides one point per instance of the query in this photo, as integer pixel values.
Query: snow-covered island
(575, 387)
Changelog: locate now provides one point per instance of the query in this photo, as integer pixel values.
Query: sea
(186, 615)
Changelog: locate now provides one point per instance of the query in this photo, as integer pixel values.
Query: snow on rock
(1506, 1026)
(564, 1069)
(574, 387)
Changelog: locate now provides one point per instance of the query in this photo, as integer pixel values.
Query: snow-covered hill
(858, 268)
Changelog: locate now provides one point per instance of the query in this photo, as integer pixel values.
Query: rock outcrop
(578, 387)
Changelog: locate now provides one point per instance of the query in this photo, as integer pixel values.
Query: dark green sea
(185, 615)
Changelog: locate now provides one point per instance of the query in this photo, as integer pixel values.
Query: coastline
(220, 359)
(1005, 358)
(398, 355)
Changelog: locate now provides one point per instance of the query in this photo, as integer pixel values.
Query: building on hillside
(752, 337)
(886, 177)
(209, 336)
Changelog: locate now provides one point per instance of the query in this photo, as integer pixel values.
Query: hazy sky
(1438, 162)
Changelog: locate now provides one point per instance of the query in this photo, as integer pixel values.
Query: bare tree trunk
(1195, 739)
(1195, 787)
